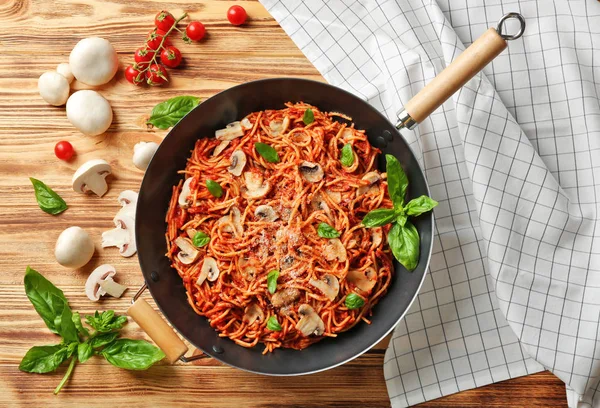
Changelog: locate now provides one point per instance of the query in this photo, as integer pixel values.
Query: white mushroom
(312, 172)
(238, 162)
(246, 124)
(185, 193)
(209, 265)
(363, 280)
(122, 236)
(373, 178)
(220, 147)
(328, 284)
(256, 185)
(65, 70)
(233, 221)
(143, 153)
(265, 213)
(231, 131)
(278, 127)
(89, 112)
(318, 204)
(93, 61)
(334, 249)
(100, 282)
(54, 88)
(335, 196)
(249, 268)
(91, 176)
(201, 277)
(310, 323)
(128, 200)
(74, 248)
(187, 251)
(285, 297)
(376, 236)
(252, 314)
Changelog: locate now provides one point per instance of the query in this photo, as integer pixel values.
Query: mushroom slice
(372, 177)
(377, 236)
(335, 196)
(252, 314)
(246, 124)
(285, 297)
(128, 200)
(191, 232)
(100, 282)
(310, 323)
(123, 236)
(249, 268)
(187, 251)
(334, 249)
(91, 176)
(328, 284)
(185, 193)
(233, 219)
(220, 147)
(238, 162)
(312, 172)
(210, 268)
(277, 127)
(363, 280)
(266, 213)
(318, 204)
(231, 131)
(256, 185)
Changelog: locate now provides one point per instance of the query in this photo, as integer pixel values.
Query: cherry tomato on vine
(133, 75)
(164, 20)
(195, 30)
(236, 15)
(64, 150)
(154, 39)
(143, 56)
(156, 75)
(170, 57)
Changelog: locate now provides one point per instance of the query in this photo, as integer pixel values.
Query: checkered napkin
(514, 283)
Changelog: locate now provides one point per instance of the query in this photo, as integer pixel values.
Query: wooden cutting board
(37, 35)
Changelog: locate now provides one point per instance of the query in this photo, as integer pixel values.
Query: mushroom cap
(65, 70)
(89, 112)
(143, 153)
(128, 200)
(266, 213)
(220, 147)
(246, 124)
(328, 284)
(256, 185)
(94, 61)
(92, 285)
(74, 248)
(232, 131)
(334, 249)
(312, 172)
(212, 269)
(252, 314)
(185, 193)
(91, 176)
(372, 177)
(310, 323)
(364, 281)
(54, 88)
(238, 162)
(123, 236)
(187, 251)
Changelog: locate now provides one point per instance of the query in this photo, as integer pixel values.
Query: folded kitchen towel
(514, 160)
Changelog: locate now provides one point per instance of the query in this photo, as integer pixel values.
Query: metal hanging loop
(500, 26)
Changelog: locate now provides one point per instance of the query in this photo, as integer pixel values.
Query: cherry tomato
(195, 31)
(170, 57)
(164, 20)
(154, 39)
(64, 150)
(143, 56)
(133, 75)
(156, 75)
(236, 15)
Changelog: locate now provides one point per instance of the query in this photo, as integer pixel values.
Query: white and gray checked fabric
(513, 159)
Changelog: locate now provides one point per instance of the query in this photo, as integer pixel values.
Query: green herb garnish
(353, 301)
(214, 188)
(327, 231)
(47, 199)
(347, 156)
(309, 117)
(272, 281)
(168, 113)
(273, 324)
(267, 152)
(200, 239)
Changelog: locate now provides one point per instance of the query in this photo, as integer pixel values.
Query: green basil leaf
(214, 188)
(401, 219)
(404, 242)
(379, 217)
(420, 205)
(43, 359)
(397, 180)
(267, 152)
(47, 199)
(354, 301)
(77, 321)
(39, 290)
(309, 117)
(327, 231)
(103, 339)
(168, 113)
(84, 352)
(200, 239)
(272, 281)
(273, 324)
(64, 322)
(71, 348)
(347, 157)
(132, 354)
(106, 321)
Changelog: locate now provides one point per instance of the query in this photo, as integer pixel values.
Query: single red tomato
(195, 30)
(164, 20)
(170, 57)
(143, 56)
(156, 75)
(154, 39)
(64, 150)
(134, 75)
(236, 15)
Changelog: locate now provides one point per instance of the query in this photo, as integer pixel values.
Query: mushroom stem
(109, 286)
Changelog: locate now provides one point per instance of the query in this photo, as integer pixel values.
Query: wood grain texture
(36, 36)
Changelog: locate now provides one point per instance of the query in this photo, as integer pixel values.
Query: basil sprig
(354, 301)
(78, 343)
(200, 239)
(347, 155)
(403, 236)
(47, 199)
(168, 113)
(214, 188)
(273, 324)
(272, 281)
(267, 152)
(325, 230)
(309, 117)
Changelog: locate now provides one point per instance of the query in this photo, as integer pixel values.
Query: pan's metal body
(165, 284)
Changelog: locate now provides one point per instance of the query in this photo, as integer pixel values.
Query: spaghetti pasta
(269, 217)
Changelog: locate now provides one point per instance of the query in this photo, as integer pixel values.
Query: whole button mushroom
(142, 154)
(89, 112)
(100, 283)
(74, 248)
(54, 88)
(94, 61)
(65, 70)
(91, 176)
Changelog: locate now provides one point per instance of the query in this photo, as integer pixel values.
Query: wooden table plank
(37, 35)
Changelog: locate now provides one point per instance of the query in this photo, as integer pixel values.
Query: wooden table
(37, 35)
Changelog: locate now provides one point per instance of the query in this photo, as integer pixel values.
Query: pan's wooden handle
(459, 72)
(158, 330)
